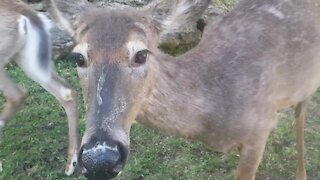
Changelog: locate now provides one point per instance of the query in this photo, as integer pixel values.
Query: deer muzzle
(102, 160)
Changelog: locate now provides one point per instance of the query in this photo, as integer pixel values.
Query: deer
(259, 58)
(26, 41)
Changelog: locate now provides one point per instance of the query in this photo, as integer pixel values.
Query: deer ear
(169, 16)
(67, 12)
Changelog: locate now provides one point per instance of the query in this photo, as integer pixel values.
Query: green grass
(33, 144)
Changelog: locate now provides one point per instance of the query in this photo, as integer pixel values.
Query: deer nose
(101, 161)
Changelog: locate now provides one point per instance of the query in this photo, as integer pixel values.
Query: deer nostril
(100, 155)
(101, 160)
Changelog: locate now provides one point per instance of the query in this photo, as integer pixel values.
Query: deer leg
(34, 58)
(300, 113)
(250, 157)
(14, 95)
(68, 99)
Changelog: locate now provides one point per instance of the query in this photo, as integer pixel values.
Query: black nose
(101, 160)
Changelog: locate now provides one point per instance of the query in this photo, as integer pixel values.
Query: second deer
(25, 39)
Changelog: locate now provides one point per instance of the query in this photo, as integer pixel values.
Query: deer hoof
(71, 164)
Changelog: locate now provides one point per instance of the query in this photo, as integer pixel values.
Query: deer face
(113, 63)
(114, 55)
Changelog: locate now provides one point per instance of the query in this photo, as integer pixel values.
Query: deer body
(261, 57)
(25, 39)
(214, 89)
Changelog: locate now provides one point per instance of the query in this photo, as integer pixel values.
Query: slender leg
(250, 158)
(14, 94)
(68, 99)
(33, 63)
(252, 149)
(300, 112)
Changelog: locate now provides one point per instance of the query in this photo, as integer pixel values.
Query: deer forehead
(113, 30)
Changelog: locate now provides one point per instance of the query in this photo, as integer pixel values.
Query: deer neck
(175, 99)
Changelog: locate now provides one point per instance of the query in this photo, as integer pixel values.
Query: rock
(212, 11)
(189, 34)
(62, 43)
(120, 3)
(36, 4)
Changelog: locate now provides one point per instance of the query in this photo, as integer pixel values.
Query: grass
(33, 144)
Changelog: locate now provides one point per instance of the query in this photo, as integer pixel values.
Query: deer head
(115, 57)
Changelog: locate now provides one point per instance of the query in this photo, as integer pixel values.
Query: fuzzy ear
(170, 15)
(67, 12)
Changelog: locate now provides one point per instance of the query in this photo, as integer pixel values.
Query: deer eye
(77, 58)
(141, 56)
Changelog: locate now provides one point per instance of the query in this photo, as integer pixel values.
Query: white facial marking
(101, 81)
(275, 12)
(100, 148)
(29, 60)
(134, 46)
(65, 93)
(117, 109)
(82, 49)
